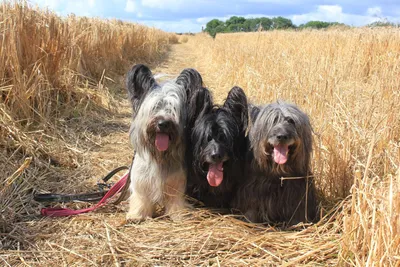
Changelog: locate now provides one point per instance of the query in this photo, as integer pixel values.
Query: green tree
(236, 24)
(266, 23)
(282, 23)
(251, 25)
(235, 20)
(383, 24)
(235, 28)
(214, 26)
(247, 25)
(315, 24)
(220, 28)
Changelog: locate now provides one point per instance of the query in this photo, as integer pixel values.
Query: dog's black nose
(163, 124)
(216, 156)
(282, 137)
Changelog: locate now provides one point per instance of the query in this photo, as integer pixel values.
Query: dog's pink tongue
(215, 174)
(280, 153)
(162, 141)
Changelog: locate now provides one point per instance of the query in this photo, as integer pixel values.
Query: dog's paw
(178, 212)
(134, 218)
(251, 216)
(178, 216)
(188, 206)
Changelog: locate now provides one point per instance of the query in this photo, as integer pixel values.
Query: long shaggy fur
(192, 81)
(157, 176)
(139, 81)
(217, 140)
(277, 129)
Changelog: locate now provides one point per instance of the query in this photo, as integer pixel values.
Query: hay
(202, 238)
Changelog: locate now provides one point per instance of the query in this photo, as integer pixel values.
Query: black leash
(125, 190)
(88, 197)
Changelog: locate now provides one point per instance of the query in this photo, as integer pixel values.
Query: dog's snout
(163, 124)
(216, 156)
(282, 137)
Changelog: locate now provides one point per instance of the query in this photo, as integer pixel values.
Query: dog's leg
(141, 205)
(174, 198)
(301, 198)
(246, 202)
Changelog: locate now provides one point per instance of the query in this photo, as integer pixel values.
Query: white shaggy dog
(158, 134)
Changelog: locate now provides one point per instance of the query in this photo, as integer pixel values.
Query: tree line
(241, 24)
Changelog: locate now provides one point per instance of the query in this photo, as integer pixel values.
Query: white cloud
(130, 6)
(172, 5)
(332, 10)
(78, 8)
(91, 3)
(325, 13)
(374, 11)
(185, 25)
(204, 20)
(50, 4)
(334, 13)
(65, 7)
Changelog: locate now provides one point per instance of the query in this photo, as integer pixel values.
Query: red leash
(60, 212)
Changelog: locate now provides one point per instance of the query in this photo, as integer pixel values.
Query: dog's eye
(209, 138)
(290, 120)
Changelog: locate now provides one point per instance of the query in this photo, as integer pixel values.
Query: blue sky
(190, 16)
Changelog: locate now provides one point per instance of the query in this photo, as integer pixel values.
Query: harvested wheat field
(65, 118)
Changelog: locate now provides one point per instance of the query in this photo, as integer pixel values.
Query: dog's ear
(191, 80)
(200, 103)
(236, 102)
(139, 81)
(253, 111)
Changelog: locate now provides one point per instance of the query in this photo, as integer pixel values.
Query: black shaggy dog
(216, 147)
(280, 146)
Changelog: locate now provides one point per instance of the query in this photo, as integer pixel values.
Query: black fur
(197, 95)
(191, 80)
(139, 81)
(217, 135)
(253, 112)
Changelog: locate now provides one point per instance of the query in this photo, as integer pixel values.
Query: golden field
(64, 118)
(348, 81)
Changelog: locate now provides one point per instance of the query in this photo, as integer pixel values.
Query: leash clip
(104, 186)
